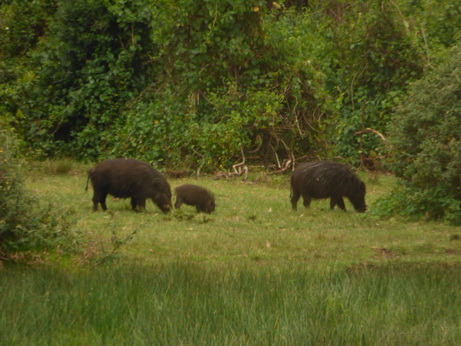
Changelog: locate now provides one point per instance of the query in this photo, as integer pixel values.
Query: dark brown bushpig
(129, 178)
(201, 198)
(323, 179)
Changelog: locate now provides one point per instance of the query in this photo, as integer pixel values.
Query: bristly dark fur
(197, 196)
(132, 178)
(324, 179)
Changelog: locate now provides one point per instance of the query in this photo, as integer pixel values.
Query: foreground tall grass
(195, 304)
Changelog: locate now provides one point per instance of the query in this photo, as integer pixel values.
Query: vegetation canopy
(426, 145)
(197, 83)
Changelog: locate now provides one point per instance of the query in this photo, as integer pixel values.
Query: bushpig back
(125, 178)
(323, 179)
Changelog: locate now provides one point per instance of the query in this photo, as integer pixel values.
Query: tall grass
(197, 304)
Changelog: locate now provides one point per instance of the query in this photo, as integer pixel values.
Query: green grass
(254, 272)
(253, 223)
(202, 305)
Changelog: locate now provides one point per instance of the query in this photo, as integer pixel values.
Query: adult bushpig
(324, 179)
(197, 196)
(132, 178)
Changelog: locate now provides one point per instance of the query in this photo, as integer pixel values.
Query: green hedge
(425, 146)
(194, 82)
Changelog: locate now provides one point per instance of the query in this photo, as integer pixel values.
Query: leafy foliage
(376, 58)
(196, 82)
(86, 69)
(426, 145)
(24, 224)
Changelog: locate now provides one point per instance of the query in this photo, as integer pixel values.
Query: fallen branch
(284, 167)
(228, 175)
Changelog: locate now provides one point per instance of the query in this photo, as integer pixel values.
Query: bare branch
(239, 169)
(369, 130)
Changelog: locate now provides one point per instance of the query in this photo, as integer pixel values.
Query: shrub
(425, 137)
(197, 81)
(25, 225)
(94, 59)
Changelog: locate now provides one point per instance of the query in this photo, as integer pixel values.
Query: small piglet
(197, 196)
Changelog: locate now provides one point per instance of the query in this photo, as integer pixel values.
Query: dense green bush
(24, 223)
(377, 58)
(425, 139)
(92, 61)
(239, 80)
(195, 82)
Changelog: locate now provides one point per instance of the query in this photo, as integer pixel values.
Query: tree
(425, 145)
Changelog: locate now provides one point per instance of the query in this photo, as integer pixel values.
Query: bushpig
(129, 178)
(324, 179)
(197, 196)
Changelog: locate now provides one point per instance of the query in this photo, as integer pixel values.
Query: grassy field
(254, 272)
(253, 223)
(201, 305)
